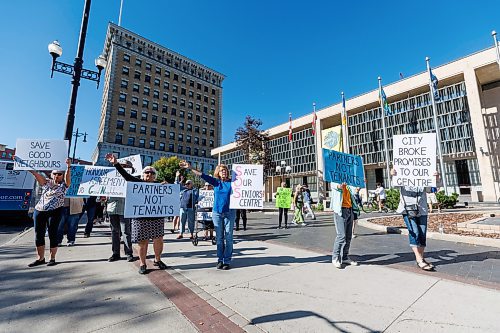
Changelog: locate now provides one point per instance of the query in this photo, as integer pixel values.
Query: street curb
(434, 235)
(13, 240)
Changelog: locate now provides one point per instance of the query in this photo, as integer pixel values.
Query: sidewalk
(271, 288)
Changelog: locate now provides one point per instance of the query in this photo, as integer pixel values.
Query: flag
(383, 102)
(401, 75)
(344, 115)
(313, 124)
(434, 83)
(290, 127)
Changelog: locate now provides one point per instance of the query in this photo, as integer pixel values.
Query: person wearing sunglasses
(144, 229)
(48, 211)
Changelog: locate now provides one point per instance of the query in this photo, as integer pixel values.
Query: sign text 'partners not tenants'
(343, 168)
(151, 200)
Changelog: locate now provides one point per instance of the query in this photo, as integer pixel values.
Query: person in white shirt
(380, 191)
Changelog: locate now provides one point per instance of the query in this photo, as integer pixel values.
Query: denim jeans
(417, 230)
(46, 219)
(187, 214)
(71, 221)
(343, 227)
(90, 219)
(224, 224)
(120, 226)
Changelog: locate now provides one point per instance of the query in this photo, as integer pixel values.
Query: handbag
(413, 209)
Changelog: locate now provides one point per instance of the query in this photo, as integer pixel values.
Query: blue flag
(434, 82)
(383, 102)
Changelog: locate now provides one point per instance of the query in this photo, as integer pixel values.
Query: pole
(436, 128)
(74, 147)
(385, 132)
(77, 74)
(316, 151)
(120, 16)
(345, 134)
(291, 148)
(494, 34)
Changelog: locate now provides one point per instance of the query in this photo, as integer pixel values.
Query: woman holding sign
(144, 229)
(48, 211)
(222, 216)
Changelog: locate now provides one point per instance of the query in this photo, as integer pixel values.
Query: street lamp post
(77, 135)
(76, 70)
(283, 169)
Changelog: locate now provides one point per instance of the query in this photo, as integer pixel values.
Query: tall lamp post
(77, 135)
(76, 70)
(283, 169)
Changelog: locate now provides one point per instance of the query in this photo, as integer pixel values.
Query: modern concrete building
(468, 120)
(157, 103)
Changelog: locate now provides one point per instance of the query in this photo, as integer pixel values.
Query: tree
(167, 167)
(254, 143)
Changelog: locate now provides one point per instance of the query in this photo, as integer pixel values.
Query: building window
(163, 134)
(183, 91)
(197, 129)
(144, 116)
(181, 114)
(198, 118)
(148, 66)
(166, 85)
(153, 131)
(156, 94)
(171, 147)
(176, 77)
(203, 142)
(142, 143)
(205, 88)
(165, 97)
(188, 138)
(131, 141)
(212, 101)
(172, 123)
(118, 138)
(123, 97)
(146, 91)
(212, 133)
(158, 70)
(155, 106)
(181, 125)
(145, 103)
(164, 121)
(121, 111)
(154, 119)
(191, 94)
(205, 120)
(125, 70)
(147, 78)
(152, 144)
(124, 84)
(190, 116)
(213, 91)
(133, 114)
(188, 150)
(183, 102)
(162, 146)
(119, 124)
(212, 122)
(190, 105)
(173, 112)
(135, 87)
(198, 86)
(175, 88)
(195, 152)
(203, 153)
(203, 130)
(171, 136)
(179, 149)
(131, 127)
(167, 73)
(138, 62)
(190, 127)
(164, 108)
(197, 107)
(143, 129)
(205, 109)
(126, 57)
(191, 83)
(135, 101)
(212, 112)
(198, 97)
(180, 137)
(196, 140)
(183, 80)
(205, 99)
(174, 100)
(211, 143)
(157, 82)
(137, 75)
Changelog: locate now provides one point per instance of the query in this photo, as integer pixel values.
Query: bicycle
(370, 205)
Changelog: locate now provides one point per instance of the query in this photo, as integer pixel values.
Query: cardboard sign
(205, 205)
(40, 154)
(343, 168)
(136, 163)
(151, 200)
(284, 197)
(88, 180)
(248, 187)
(414, 160)
(10, 178)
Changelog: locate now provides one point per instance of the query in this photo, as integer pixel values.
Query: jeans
(44, 219)
(187, 213)
(71, 221)
(343, 227)
(310, 211)
(224, 224)
(283, 211)
(120, 226)
(417, 230)
(243, 214)
(90, 219)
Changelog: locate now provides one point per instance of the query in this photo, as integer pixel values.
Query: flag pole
(316, 150)
(345, 133)
(290, 134)
(436, 128)
(494, 34)
(385, 132)
(120, 15)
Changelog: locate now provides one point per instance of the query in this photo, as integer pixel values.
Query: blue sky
(278, 56)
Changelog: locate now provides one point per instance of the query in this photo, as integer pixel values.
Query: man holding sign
(283, 202)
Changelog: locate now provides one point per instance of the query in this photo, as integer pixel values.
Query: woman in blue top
(222, 216)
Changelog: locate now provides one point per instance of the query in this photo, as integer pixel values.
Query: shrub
(447, 201)
(319, 206)
(392, 198)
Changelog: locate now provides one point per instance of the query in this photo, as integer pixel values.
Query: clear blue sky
(278, 56)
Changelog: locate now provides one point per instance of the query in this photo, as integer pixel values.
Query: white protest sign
(41, 154)
(151, 200)
(248, 187)
(10, 178)
(205, 205)
(136, 163)
(414, 160)
(96, 181)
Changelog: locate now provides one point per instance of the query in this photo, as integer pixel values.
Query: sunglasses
(151, 172)
(57, 174)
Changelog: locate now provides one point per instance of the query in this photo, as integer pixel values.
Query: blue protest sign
(343, 168)
(76, 178)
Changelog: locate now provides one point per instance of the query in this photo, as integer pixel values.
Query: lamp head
(101, 63)
(288, 169)
(55, 49)
(283, 163)
(278, 169)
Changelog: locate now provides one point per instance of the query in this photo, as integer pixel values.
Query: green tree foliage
(392, 198)
(167, 167)
(446, 201)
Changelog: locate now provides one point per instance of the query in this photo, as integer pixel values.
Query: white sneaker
(350, 262)
(70, 244)
(336, 263)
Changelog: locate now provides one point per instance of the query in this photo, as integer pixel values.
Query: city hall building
(157, 103)
(468, 120)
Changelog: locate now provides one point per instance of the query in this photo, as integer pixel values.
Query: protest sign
(205, 205)
(136, 163)
(283, 197)
(414, 160)
(343, 168)
(41, 154)
(151, 200)
(248, 187)
(10, 178)
(96, 181)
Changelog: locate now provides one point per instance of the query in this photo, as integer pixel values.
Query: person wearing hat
(48, 211)
(189, 199)
(144, 229)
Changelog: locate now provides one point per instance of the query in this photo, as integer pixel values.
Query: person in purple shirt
(222, 216)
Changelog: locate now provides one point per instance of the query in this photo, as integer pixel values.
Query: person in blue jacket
(222, 216)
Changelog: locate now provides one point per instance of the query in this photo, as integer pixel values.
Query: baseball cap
(189, 181)
(207, 184)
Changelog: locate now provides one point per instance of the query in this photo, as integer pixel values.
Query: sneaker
(130, 258)
(226, 267)
(350, 262)
(86, 235)
(354, 236)
(114, 258)
(220, 265)
(303, 224)
(37, 263)
(143, 269)
(160, 264)
(70, 244)
(336, 263)
(278, 228)
(52, 262)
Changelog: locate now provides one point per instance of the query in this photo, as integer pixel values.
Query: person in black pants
(243, 214)
(90, 207)
(283, 202)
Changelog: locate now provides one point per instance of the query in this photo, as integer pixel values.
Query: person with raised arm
(144, 229)
(222, 216)
(48, 211)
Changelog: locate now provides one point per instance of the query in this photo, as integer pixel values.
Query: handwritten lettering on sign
(248, 187)
(343, 168)
(151, 200)
(40, 154)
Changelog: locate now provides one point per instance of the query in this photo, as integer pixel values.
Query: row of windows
(120, 124)
(154, 118)
(155, 105)
(131, 141)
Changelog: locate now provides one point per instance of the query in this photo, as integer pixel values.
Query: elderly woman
(144, 229)
(222, 216)
(48, 211)
(298, 202)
